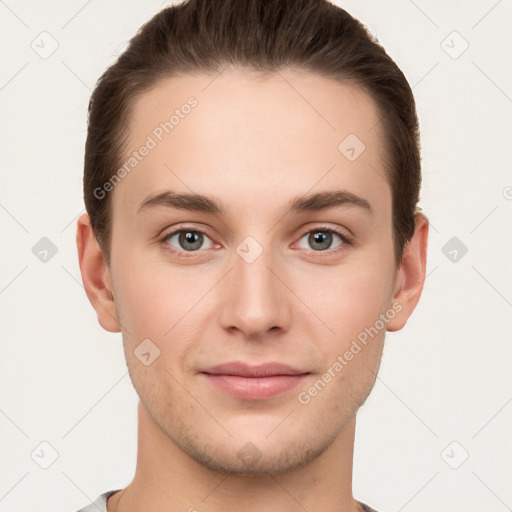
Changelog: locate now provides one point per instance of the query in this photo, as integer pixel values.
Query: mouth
(249, 382)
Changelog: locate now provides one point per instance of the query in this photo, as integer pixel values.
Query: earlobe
(96, 275)
(411, 275)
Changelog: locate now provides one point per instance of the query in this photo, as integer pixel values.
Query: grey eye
(321, 239)
(188, 239)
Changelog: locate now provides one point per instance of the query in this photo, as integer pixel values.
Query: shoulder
(366, 507)
(100, 504)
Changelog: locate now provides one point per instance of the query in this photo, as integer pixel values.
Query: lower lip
(255, 388)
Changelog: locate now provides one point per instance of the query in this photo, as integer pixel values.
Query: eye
(321, 239)
(187, 240)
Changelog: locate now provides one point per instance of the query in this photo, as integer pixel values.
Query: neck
(168, 479)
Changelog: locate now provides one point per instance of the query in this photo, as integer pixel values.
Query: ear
(96, 275)
(411, 275)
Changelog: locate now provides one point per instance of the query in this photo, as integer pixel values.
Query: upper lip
(242, 369)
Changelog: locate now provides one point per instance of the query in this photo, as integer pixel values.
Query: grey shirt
(100, 505)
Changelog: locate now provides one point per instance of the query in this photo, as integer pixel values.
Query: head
(225, 139)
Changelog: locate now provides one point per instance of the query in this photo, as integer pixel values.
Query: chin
(250, 460)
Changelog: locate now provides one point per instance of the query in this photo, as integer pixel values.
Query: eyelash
(346, 241)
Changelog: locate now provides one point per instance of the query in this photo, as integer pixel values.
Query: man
(252, 175)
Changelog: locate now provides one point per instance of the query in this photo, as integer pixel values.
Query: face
(246, 279)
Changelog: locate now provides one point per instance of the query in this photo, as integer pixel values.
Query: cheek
(349, 299)
(160, 304)
(148, 302)
(353, 344)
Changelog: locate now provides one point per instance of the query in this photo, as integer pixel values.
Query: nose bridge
(255, 298)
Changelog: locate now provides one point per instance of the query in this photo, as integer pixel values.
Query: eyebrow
(300, 204)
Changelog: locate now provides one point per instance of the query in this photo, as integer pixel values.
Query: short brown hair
(261, 35)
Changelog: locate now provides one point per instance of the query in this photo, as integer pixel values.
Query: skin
(253, 143)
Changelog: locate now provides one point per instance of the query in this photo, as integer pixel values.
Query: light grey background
(444, 391)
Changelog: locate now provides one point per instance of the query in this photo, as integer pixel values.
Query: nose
(255, 299)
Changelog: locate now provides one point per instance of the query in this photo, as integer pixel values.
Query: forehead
(244, 136)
